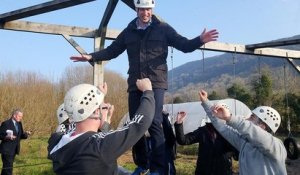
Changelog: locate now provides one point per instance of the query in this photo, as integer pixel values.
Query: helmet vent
(81, 102)
(60, 115)
(81, 111)
(261, 110)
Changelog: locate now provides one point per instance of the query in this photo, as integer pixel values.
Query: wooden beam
(108, 13)
(112, 34)
(39, 9)
(292, 62)
(75, 44)
(105, 19)
(273, 44)
(241, 49)
(54, 29)
(129, 3)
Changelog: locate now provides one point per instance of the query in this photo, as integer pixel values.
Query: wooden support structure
(100, 40)
(10, 21)
(273, 44)
(39, 9)
(74, 44)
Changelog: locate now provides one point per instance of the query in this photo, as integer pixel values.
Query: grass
(33, 158)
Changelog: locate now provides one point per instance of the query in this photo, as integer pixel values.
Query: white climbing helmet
(144, 3)
(269, 116)
(81, 101)
(61, 114)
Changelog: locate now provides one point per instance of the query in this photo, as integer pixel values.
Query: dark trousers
(8, 161)
(155, 160)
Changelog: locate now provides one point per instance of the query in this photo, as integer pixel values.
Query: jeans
(155, 160)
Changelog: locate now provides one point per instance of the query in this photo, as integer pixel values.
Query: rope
(172, 66)
(259, 77)
(234, 72)
(286, 98)
(203, 66)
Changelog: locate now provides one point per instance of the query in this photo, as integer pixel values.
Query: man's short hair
(16, 111)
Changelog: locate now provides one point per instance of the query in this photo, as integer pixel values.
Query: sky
(237, 21)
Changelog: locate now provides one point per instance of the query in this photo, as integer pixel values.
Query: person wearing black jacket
(11, 132)
(86, 151)
(170, 142)
(146, 39)
(214, 152)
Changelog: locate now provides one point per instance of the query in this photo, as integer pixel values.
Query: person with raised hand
(87, 151)
(146, 40)
(259, 151)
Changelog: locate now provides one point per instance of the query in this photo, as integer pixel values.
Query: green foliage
(177, 100)
(263, 90)
(213, 96)
(32, 159)
(188, 149)
(290, 111)
(238, 92)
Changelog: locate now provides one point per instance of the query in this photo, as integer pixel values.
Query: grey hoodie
(260, 152)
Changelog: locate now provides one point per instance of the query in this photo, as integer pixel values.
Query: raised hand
(144, 84)
(211, 35)
(180, 117)
(103, 88)
(81, 58)
(221, 112)
(203, 95)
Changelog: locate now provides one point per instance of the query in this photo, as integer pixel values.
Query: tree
(293, 109)
(214, 96)
(177, 100)
(238, 92)
(263, 90)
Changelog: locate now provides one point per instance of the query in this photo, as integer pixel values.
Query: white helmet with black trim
(81, 101)
(61, 114)
(269, 116)
(144, 3)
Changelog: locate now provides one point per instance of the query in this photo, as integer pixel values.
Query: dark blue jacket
(11, 147)
(147, 51)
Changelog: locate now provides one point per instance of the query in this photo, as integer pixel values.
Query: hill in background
(193, 73)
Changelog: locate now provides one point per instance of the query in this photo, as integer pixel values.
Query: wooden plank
(112, 34)
(273, 44)
(98, 66)
(106, 17)
(54, 29)
(75, 44)
(241, 49)
(39, 9)
(129, 3)
(292, 62)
